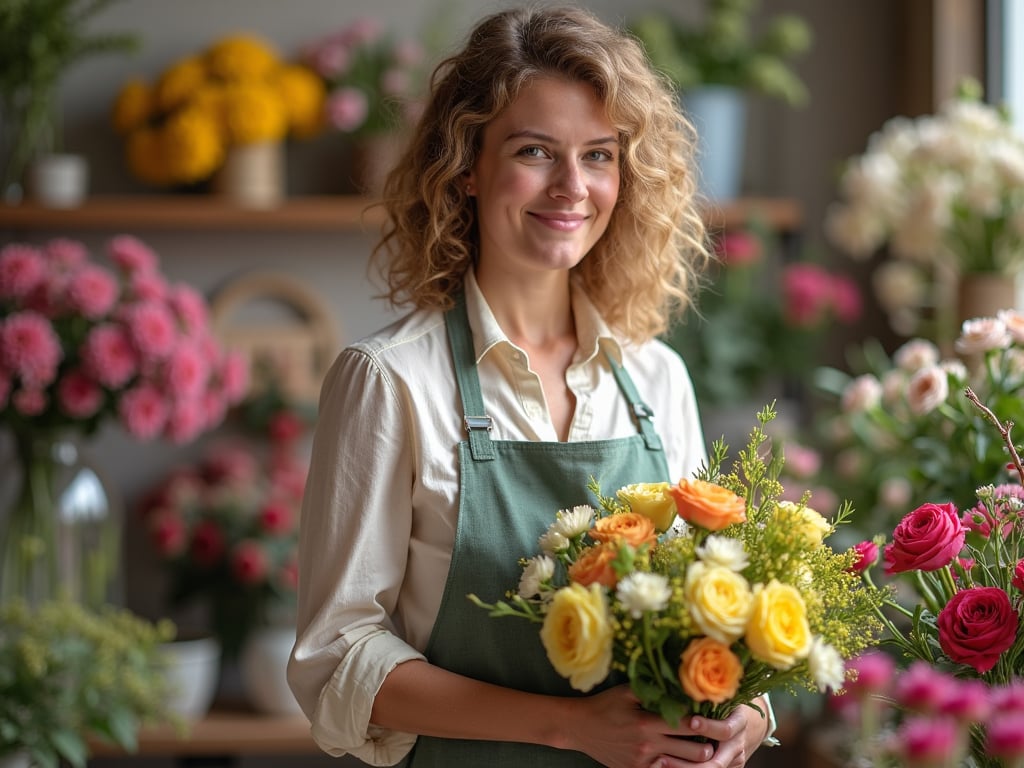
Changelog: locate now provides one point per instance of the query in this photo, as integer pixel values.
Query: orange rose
(709, 671)
(594, 566)
(630, 527)
(707, 505)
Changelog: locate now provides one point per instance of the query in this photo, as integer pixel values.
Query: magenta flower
(921, 687)
(30, 402)
(30, 348)
(22, 270)
(188, 371)
(873, 674)
(132, 255)
(969, 701)
(347, 109)
(186, 421)
(976, 626)
(78, 395)
(152, 330)
(928, 741)
(66, 254)
(147, 286)
(208, 543)
(109, 356)
(867, 556)
(143, 411)
(1004, 736)
(807, 292)
(927, 539)
(1018, 575)
(92, 291)
(276, 518)
(189, 308)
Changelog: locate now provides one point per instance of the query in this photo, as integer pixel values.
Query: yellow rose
(778, 633)
(652, 501)
(709, 671)
(707, 505)
(720, 601)
(577, 635)
(806, 522)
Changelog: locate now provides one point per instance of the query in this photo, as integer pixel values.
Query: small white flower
(927, 390)
(573, 522)
(723, 551)
(553, 542)
(538, 570)
(641, 591)
(826, 666)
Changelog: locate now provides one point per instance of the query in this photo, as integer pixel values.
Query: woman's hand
(613, 729)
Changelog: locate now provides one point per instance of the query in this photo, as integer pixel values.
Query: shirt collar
(592, 333)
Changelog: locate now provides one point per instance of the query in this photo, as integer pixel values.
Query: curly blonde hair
(644, 267)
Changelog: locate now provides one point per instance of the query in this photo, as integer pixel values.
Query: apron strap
(478, 423)
(642, 414)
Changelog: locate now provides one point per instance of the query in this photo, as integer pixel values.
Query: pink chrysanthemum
(92, 291)
(132, 255)
(143, 412)
(30, 402)
(187, 371)
(152, 330)
(30, 348)
(79, 395)
(108, 355)
(66, 254)
(22, 270)
(189, 307)
(186, 421)
(147, 286)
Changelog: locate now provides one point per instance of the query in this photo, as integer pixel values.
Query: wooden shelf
(222, 732)
(338, 213)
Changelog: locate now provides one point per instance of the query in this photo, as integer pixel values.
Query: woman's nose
(569, 182)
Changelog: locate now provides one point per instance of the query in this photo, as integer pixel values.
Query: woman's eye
(599, 155)
(532, 152)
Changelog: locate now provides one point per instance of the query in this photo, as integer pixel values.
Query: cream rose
(778, 633)
(577, 635)
(652, 501)
(808, 523)
(719, 600)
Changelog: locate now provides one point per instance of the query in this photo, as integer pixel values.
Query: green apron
(509, 494)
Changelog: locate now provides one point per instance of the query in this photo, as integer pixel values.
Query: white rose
(723, 551)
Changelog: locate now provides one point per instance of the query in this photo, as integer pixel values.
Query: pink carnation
(739, 248)
(250, 562)
(108, 355)
(921, 687)
(30, 348)
(78, 395)
(969, 701)
(143, 411)
(92, 291)
(152, 329)
(132, 255)
(807, 291)
(873, 674)
(22, 270)
(846, 299)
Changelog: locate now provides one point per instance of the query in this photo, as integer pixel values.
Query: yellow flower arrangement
(238, 91)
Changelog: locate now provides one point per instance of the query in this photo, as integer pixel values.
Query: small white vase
(59, 180)
(719, 113)
(193, 671)
(263, 666)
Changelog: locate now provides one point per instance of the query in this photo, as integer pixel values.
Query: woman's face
(546, 179)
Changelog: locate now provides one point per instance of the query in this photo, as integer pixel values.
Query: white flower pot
(59, 180)
(263, 665)
(719, 113)
(193, 672)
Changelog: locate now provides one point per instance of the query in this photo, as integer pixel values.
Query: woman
(542, 227)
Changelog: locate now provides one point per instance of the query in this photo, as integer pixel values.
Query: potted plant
(714, 64)
(39, 41)
(69, 673)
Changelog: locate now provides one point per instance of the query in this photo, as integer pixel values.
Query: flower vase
(263, 665)
(61, 523)
(252, 175)
(983, 294)
(373, 157)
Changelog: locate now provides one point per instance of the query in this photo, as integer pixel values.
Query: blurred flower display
(945, 193)
(758, 322)
(372, 79)
(238, 91)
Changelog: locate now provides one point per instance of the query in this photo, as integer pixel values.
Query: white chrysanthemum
(538, 570)
(927, 390)
(826, 666)
(641, 591)
(553, 542)
(573, 522)
(723, 551)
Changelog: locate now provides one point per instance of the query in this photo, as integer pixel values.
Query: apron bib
(508, 496)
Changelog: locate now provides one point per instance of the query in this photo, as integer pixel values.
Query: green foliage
(68, 672)
(40, 40)
(725, 50)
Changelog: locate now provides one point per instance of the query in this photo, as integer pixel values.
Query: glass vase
(62, 523)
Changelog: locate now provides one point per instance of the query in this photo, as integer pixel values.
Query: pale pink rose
(22, 270)
(185, 421)
(927, 741)
(30, 348)
(187, 371)
(981, 335)
(108, 355)
(143, 411)
(895, 492)
(409, 53)
(1004, 736)
(955, 369)
(915, 355)
(330, 59)
(147, 286)
(927, 390)
(347, 109)
(78, 395)
(65, 253)
(92, 291)
(921, 687)
(861, 394)
(802, 462)
(894, 386)
(189, 307)
(29, 402)
(152, 329)
(250, 562)
(1014, 322)
(132, 255)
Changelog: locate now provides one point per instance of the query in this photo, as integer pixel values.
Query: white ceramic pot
(719, 113)
(193, 672)
(263, 665)
(59, 180)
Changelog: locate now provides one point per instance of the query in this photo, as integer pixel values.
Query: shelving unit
(339, 213)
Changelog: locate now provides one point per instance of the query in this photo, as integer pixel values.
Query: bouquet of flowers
(227, 528)
(966, 569)
(945, 192)
(903, 425)
(236, 92)
(702, 595)
(80, 342)
(372, 79)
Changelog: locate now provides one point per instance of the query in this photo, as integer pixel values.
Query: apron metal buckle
(478, 422)
(641, 411)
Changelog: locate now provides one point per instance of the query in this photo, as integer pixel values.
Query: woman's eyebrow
(541, 136)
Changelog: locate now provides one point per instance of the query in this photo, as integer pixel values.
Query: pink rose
(867, 555)
(976, 626)
(1018, 575)
(925, 540)
(250, 562)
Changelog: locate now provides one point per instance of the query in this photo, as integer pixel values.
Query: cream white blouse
(381, 503)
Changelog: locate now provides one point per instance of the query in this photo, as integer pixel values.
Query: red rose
(1018, 575)
(976, 626)
(925, 540)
